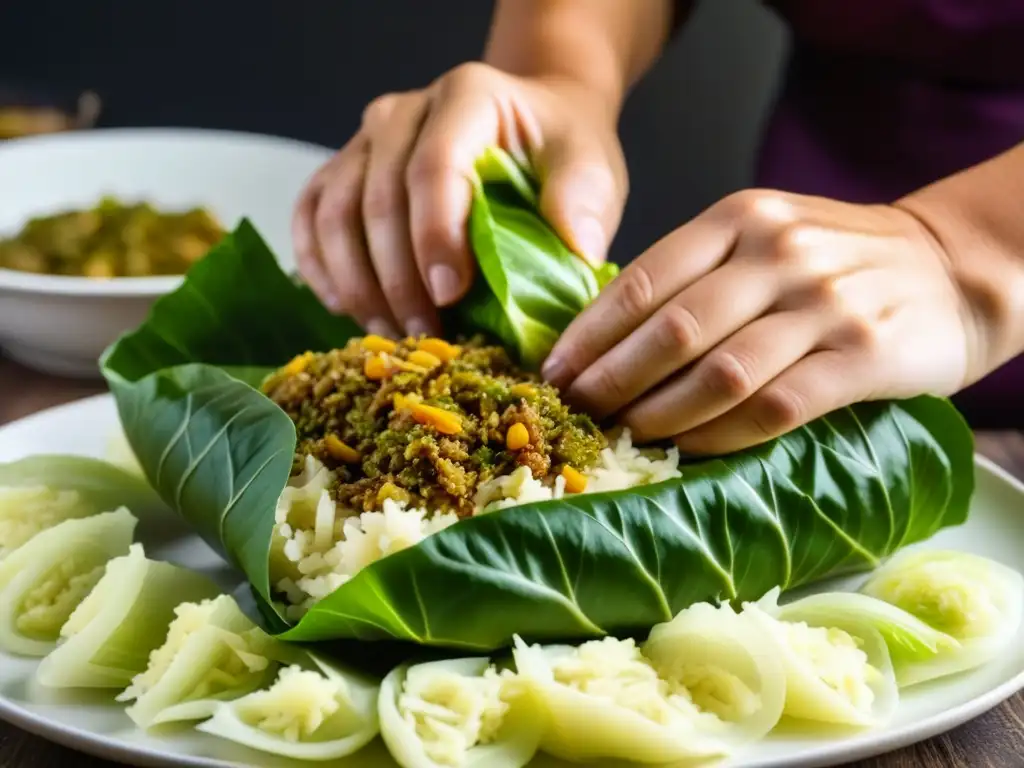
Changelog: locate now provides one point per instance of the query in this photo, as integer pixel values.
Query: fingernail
(444, 284)
(554, 371)
(590, 238)
(379, 327)
(417, 326)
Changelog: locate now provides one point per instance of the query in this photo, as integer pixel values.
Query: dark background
(307, 69)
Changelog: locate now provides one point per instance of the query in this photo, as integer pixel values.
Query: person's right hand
(380, 229)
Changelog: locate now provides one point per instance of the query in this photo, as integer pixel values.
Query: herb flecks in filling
(426, 423)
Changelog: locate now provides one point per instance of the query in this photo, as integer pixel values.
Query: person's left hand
(763, 313)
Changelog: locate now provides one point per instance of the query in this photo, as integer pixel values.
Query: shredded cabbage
(108, 638)
(605, 700)
(24, 512)
(838, 673)
(458, 713)
(212, 652)
(314, 711)
(45, 579)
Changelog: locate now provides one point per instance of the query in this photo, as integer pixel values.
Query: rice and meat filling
(427, 423)
(399, 440)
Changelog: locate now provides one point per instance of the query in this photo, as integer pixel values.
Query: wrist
(598, 85)
(600, 47)
(985, 269)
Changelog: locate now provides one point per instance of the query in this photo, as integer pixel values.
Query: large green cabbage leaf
(834, 497)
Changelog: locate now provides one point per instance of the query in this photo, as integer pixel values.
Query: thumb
(583, 192)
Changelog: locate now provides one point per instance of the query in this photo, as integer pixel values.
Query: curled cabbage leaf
(839, 672)
(212, 652)
(39, 492)
(718, 658)
(458, 713)
(43, 581)
(313, 711)
(912, 643)
(109, 636)
(974, 600)
(605, 700)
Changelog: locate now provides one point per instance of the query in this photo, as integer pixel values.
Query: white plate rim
(863, 746)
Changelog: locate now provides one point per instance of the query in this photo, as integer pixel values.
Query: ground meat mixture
(426, 422)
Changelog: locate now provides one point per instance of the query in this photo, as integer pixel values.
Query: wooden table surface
(994, 740)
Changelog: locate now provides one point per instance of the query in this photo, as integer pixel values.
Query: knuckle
(679, 329)
(728, 374)
(861, 333)
(788, 244)
(381, 197)
(779, 410)
(401, 289)
(353, 300)
(470, 73)
(429, 161)
(379, 110)
(824, 293)
(596, 178)
(636, 291)
(759, 205)
(335, 208)
(434, 236)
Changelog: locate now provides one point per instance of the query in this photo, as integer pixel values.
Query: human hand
(380, 229)
(767, 311)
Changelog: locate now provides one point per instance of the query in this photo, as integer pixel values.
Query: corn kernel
(405, 365)
(377, 367)
(575, 482)
(340, 451)
(523, 390)
(379, 344)
(439, 348)
(517, 437)
(402, 402)
(445, 422)
(298, 364)
(424, 359)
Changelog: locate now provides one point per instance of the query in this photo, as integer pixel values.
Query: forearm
(978, 218)
(606, 45)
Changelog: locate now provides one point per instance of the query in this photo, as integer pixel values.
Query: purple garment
(882, 97)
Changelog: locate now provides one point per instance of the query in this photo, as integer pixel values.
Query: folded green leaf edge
(531, 284)
(837, 496)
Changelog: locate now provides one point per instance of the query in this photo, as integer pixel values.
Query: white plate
(995, 529)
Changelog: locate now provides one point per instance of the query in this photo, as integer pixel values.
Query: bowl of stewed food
(96, 226)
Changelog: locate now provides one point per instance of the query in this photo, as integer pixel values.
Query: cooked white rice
(317, 545)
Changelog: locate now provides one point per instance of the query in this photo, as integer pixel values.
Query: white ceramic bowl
(61, 325)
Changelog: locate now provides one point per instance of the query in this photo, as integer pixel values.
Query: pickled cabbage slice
(725, 668)
(316, 711)
(912, 644)
(39, 492)
(838, 672)
(458, 713)
(212, 652)
(976, 601)
(108, 638)
(605, 699)
(43, 581)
